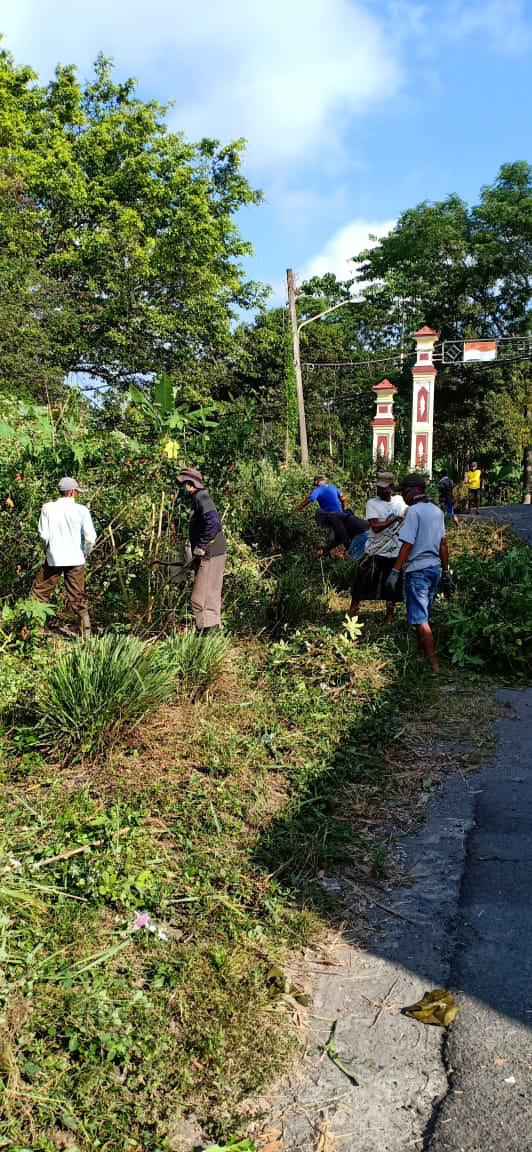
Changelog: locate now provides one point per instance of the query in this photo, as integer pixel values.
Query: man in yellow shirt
(474, 484)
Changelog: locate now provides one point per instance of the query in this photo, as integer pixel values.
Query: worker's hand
(391, 583)
(199, 552)
(319, 553)
(446, 585)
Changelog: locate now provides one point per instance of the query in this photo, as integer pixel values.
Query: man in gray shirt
(423, 551)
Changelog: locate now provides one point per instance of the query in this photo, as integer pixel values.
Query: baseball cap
(68, 484)
(384, 479)
(414, 480)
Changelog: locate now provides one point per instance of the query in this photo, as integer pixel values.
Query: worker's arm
(43, 528)
(402, 557)
(343, 501)
(304, 504)
(444, 555)
(379, 525)
(89, 534)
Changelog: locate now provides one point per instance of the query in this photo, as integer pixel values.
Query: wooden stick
(73, 852)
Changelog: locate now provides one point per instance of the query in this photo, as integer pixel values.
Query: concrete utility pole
(296, 329)
(303, 442)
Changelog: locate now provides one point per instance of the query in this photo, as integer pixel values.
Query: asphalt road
(488, 1054)
(518, 516)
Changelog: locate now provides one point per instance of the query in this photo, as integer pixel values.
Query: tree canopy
(119, 251)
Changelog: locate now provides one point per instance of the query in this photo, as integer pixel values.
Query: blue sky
(353, 111)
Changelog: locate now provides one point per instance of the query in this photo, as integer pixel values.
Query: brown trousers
(206, 598)
(47, 578)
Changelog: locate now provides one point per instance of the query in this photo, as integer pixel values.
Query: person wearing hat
(68, 535)
(385, 513)
(209, 550)
(333, 515)
(424, 556)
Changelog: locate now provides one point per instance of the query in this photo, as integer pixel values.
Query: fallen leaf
(436, 1007)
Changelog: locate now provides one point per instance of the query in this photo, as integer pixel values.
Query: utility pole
(297, 367)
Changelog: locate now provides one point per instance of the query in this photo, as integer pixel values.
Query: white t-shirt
(385, 543)
(67, 530)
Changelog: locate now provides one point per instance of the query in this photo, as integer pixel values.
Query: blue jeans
(420, 590)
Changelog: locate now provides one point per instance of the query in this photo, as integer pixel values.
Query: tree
(466, 273)
(127, 254)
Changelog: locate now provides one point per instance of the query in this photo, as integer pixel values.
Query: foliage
(195, 660)
(497, 635)
(108, 223)
(466, 273)
(95, 691)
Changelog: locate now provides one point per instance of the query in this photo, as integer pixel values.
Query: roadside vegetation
(169, 805)
(172, 806)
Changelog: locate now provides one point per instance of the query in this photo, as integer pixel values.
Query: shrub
(194, 660)
(94, 691)
(490, 624)
(293, 600)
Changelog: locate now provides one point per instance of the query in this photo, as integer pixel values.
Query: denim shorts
(420, 590)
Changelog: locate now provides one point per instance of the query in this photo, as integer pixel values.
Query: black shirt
(205, 526)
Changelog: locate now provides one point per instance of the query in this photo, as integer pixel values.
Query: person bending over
(333, 515)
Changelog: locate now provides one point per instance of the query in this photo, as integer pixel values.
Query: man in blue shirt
(423, 550)
(333, 514)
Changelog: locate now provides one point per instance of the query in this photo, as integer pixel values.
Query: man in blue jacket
(209, 550)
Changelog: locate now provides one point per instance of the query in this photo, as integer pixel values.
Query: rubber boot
(85, 623)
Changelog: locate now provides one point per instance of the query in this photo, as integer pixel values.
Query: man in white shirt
(68, 534)
(385, 513)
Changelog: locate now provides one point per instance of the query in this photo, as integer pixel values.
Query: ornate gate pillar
(384, 423)
(424, 374)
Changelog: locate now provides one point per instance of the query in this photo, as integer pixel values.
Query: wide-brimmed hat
(413, 480)
(385, 479)
(68, 484)
(191, 476)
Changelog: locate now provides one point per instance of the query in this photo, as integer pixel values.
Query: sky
(353, 110)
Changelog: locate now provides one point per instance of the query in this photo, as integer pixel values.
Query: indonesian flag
(480, 350)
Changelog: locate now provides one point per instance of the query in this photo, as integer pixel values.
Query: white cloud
(337, 255)
(505, 21)
(287, 76)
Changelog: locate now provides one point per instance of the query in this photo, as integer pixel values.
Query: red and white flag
(480, 350)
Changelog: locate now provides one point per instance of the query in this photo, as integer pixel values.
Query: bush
(490, 624)
(95, 691)
(293, 601)
(194, 660)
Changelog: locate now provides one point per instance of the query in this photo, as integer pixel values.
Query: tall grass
(97, 690)
(194, 660)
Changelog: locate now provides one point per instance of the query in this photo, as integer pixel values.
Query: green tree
(466, 273)
(127, 253)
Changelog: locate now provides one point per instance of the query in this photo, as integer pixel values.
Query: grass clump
(194, 660)
(95, 691)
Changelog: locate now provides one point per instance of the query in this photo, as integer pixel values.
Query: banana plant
(165, 416)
